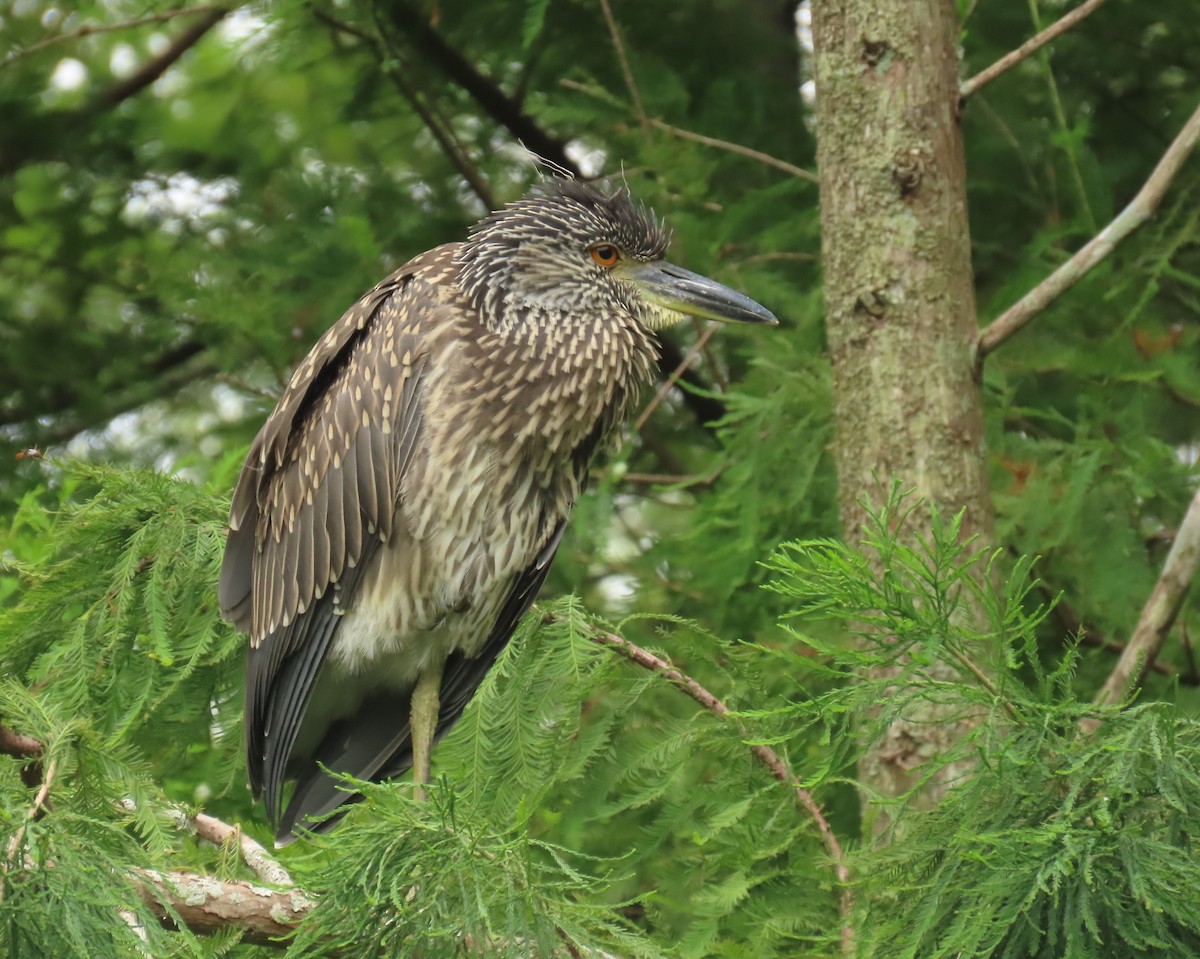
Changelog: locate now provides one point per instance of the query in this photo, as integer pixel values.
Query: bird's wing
(462, 675)
(376, 742)
(316, 498)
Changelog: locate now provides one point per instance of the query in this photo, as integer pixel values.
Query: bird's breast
(438, 584)
(498, 466)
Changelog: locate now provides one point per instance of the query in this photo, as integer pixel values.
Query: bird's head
(566, 249)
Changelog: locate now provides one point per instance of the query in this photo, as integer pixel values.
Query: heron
(401, 506)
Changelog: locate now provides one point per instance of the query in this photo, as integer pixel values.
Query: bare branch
(1071, 624)
(630, 85)
(219, 832)
(341, 26)
(682, 134)
(204, 904)
(1139, 210)
(486, 93)
(673, 479)
(1190, 675)
(19, 745)
(779, 256)
(34, 813)
(764, 754)
(87, 31)
(1159, 612)
(266, 917)
(673, 378)
(444, 135)
(1028, 48)
(154, 68)
(420, 102)
(731, 147)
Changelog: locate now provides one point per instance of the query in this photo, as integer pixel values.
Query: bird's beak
(673, 288)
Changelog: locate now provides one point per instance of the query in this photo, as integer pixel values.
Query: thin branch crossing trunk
(899, 297)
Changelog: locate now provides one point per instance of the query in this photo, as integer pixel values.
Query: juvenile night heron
(400, 508)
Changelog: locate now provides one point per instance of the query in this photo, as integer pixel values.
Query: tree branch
(770, 759)
(87, 31)
(1028, 48)
(265, 917)
(1139, 210)
(615, 33)
(34, 813)
(150, 71)
(682, 134)
(19, 745)
(507, 112)
(1070, 622)
(484, 91)
(731, 147)
(219, 832)
(203, 904)
(674, 377)
(1159, 612)
(441, 131)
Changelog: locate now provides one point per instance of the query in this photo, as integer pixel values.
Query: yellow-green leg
(423, 722)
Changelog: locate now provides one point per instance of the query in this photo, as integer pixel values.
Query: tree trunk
(899, 296)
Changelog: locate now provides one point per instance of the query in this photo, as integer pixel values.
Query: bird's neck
(554, 383)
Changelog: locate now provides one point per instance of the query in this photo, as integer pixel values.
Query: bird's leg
(423, 723)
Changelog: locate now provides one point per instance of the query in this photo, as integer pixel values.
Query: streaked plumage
(401, 506)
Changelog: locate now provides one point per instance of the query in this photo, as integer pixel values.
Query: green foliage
(166, 258)
(1058, 846)
(1059, 843)
(117, 623)
(113, 657)
(408, 876)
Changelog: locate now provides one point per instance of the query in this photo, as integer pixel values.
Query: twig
(763, 753)
(1139, 210)
(201, 903)
(444, 135)
(238, 383)
(442, 132)
(630, 85)
(779, 255)
(219, 832)
(1159, 612)
(673, 378)
(1070, 622)
(705, 407)
(88, 31)
(39, 802)
(156, 67)
(486, 93)
(731, 147)
(710, 361)
(736, 148)
(1029, 47)
(673, 479)
(341, 26)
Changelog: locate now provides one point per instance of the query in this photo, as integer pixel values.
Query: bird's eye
(606, 254)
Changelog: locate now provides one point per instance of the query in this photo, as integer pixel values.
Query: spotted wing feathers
(319, 493)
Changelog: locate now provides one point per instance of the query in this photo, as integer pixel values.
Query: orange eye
(606, 254)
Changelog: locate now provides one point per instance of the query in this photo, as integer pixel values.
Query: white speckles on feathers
(426, 452)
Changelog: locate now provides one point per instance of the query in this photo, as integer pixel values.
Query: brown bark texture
(899, 298)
